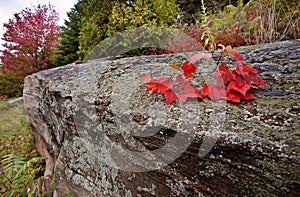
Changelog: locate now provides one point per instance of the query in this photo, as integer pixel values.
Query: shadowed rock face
(102, 134)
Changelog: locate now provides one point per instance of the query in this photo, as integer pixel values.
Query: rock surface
(102, 134)
(16, 102)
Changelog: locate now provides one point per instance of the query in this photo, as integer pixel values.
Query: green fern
(20, 177)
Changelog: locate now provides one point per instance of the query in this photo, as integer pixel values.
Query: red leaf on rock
(254, 79)
(249, 76)
(215, 93)
(161, 85)
(181, 80)
(153, 86)
(163, 79)
(233, 53)
(146, 77)
(170, 96)
(194, 93)
(186, 89)
(248, 96)
(240, 67)
(240, 87)
(165, 84)
(235, 96)
(224, 74)
(246, 68)
(188, 69)
(197, 57)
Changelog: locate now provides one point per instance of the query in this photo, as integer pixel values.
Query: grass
(16, 137)
(20, 168)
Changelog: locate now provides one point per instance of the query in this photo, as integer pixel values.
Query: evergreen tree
(69, 42)
(91, 21)
(94, 25)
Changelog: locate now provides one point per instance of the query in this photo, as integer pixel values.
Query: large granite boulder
(102, 134)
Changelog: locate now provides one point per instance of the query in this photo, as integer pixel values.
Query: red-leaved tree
(30, 38)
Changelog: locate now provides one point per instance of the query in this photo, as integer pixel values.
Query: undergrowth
(21, 177)
(21, 170)
(257, 22)
(16, 136)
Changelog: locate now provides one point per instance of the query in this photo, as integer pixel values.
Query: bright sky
(9, 7)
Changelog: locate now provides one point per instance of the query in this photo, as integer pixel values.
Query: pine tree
(69, 42)
(94, 25)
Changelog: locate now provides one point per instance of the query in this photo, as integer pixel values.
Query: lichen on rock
(102, 134)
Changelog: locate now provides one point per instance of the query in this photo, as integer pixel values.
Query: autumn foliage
(230, 85)
(30, 38)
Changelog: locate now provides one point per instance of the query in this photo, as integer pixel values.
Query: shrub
(231, 26)
(254, 23)
(20, 168)
(142, 13)
(139, 18)
(276, 20)
(11, 84)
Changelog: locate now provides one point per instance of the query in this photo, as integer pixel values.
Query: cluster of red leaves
(172, 89)
(231, 85)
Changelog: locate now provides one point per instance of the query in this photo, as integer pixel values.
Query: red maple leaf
(249, 75)
(233, 53)
(186, 90)
(239, 87)
(248, 96)
(146, 77)
(170, 96)
(162, 84)
(223, 75)
(215, 93)
(235, 96)
(246, 69)
(188, 69)
(153, 86)
(197, 57)
(165, 84)
(255, 80)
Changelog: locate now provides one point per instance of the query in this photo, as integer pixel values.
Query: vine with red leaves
(231, 85)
